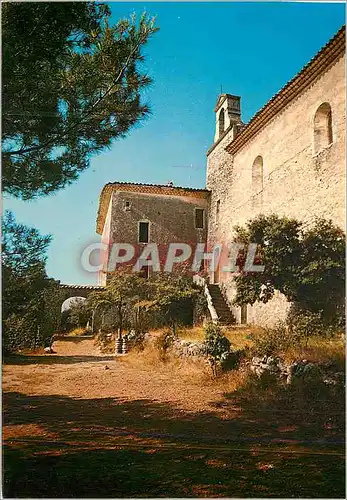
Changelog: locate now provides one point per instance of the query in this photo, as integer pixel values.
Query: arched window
(221, 122)
(257, 175)
(323, 131)
(257, 183)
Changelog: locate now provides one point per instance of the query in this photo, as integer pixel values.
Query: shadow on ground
(52, 359)
(63, 447)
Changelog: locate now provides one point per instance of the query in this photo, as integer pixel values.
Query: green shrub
(230, 360)
(303, 324)
(307, 265)
(131, 302)
(272, 340)
(23, 332)
(216, 344)
(200, 308)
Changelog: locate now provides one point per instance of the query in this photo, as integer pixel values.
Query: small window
(127, 206)
(217, 211)
(323, 131)
(257, 184)
(143, 232)
(199, 218)
(221, 122)
(257, 175)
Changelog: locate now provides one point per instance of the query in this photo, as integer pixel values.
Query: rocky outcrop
(300, 369)
(185, 348)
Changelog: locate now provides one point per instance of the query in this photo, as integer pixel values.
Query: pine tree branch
(78, 123)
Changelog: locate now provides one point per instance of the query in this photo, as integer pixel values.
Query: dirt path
(103, 378)
(76, 346)
(77, 424)
(78, 370)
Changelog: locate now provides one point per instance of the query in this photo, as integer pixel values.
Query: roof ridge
(155, 185)
(138, 187)
(70, 285)
(287, 93)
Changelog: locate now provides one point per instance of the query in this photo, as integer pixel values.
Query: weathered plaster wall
(105, 240)
(295, 181)
(171, 219)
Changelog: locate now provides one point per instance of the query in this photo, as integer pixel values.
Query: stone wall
(171, 220)
(300, 370)
(296, 182)
(105, 240)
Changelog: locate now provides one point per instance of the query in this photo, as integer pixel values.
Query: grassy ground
(238, 336)
(148, 428)
(317, 349)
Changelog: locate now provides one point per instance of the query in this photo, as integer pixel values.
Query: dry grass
(232, 381)
(238, 336)
(73, 428)
(194, 334)
(319, 350)
(77, 331)
(195, 371)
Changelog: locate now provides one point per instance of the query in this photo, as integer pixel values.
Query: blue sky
(251, 49)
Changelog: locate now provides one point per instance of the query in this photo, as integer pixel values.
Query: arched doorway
(74, 314)
(76, 294)
(70, 302)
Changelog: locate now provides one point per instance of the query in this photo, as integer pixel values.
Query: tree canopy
(163, 298)
(72, 83)
(26, 288)
(306, 264)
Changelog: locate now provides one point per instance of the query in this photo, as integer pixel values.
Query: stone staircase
(225, 316)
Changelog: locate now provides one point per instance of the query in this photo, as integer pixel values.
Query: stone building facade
(289, 160)
(138, 214)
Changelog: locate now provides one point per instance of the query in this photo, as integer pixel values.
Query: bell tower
(228, 113)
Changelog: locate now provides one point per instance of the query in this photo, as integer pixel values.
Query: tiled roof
(82, 287)
(327, 56)
(161, 189)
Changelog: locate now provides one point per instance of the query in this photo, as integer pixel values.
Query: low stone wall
(301, 369)
(184, 348)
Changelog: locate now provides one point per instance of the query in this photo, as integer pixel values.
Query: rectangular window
(127, 206)
(217, 211)
(199, 218)
(143, 232)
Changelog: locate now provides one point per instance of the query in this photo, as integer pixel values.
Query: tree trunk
(120, 314)
(93, 314)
